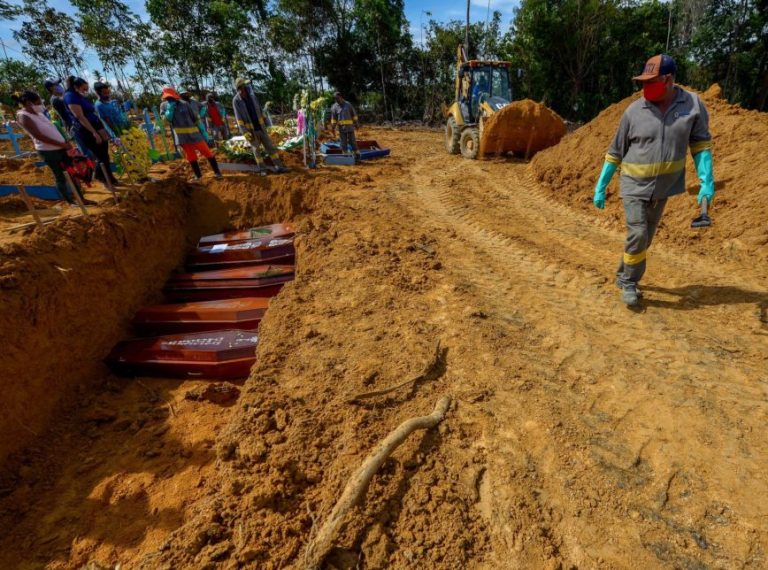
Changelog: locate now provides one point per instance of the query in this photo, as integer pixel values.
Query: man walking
(344, 117)
(650, 145)
(251, 121)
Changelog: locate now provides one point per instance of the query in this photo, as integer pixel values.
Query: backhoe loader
(482, 120)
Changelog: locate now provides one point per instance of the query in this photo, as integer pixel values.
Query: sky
(417, 12)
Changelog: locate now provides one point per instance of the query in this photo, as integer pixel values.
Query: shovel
(703, 221)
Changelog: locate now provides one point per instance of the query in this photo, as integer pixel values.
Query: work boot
(629, 296)
(637, 289)
(196, 169)
(215, 166)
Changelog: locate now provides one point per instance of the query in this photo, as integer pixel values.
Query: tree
(8, 11)
(18, 75)
(49, 38)
(578, 56)
(109, 27)
(730, 45)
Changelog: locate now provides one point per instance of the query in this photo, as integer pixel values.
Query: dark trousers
(99, 150)
(348, 141)
(54, 159)
(642, 219)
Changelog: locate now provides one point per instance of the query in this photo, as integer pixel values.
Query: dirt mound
(523, 127)
(740, 208)
(14, 204)
(68, 290)
(24, 171)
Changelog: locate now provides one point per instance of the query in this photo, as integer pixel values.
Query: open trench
(92, 465)
(580, 435)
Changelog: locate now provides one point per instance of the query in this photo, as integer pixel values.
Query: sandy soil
(581, 434)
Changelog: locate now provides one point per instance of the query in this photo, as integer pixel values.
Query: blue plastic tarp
(40, 192)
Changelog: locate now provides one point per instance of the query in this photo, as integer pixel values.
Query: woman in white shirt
(49, 142)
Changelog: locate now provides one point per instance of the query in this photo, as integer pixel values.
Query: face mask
(655, 91)
(58, 90)
(84, 92)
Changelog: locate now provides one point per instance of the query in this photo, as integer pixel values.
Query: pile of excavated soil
(522, 127)
(740, 208)
(24, 171)
(111, 464)
(67, 291)
(296, 436)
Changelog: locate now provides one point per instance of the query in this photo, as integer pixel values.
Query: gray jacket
(344, 116)
(184, 122)
(651, 147)
(242, 117)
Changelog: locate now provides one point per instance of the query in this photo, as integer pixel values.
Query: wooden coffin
(226, 354)
(261, 232)
(243, 253)
(243, 314)
(252, 281)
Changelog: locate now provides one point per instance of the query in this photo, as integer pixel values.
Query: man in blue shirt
(110, 111)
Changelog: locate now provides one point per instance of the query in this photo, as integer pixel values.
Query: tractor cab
(483, 82)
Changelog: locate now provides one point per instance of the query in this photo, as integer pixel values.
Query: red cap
(170, 93)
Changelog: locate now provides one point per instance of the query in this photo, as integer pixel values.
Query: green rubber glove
(703, 162)
(609, 168)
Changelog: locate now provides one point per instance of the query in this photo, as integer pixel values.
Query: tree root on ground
(429, 369)
(319, 547)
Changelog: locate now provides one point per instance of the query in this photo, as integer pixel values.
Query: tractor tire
(452, 136)
(470, 143)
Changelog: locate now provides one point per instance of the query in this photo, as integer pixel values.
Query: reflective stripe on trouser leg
(632, 266)
(642, 220)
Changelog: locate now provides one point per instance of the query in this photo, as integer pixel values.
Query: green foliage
(579, 56)
(18, 75)
(730, 43)
(8, 11)
(49, 38)
(109, 27)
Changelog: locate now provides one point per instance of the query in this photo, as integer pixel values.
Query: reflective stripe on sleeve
(186, 130)
(652, 169)
(612, 159)
(697, 147)
(346, 122)
(635, 258)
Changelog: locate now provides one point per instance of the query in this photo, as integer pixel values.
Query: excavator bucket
(523, 127)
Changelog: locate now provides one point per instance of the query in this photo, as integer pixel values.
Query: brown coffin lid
(252, 273)
(255, 249)
(211, 346)
(227, 310)
(270, 231)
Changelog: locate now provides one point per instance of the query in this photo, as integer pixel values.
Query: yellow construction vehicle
(482, 89)
(481, 120)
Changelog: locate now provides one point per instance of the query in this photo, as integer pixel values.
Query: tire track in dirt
(623, 379)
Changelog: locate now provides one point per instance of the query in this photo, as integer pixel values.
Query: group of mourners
(91, 125)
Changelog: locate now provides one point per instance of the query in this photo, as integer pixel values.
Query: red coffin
(261, 232)
(226, 354)
(244, 314)
(254, 281)
(243, 253)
